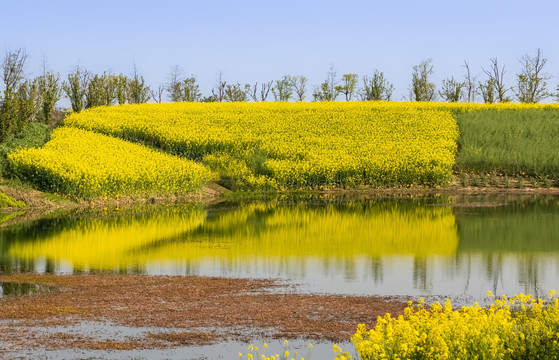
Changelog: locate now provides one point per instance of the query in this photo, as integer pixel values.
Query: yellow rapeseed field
(293, 145)
(251, 146)
(521, 327)
(87, 164)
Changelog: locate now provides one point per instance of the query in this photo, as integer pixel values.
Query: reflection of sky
(465, 277)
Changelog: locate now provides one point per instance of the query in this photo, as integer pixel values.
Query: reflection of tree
(9, 265)
(269, 237)
(420, 273)
(376, 269)
(528, 274)
(50, 266)
(349, 268)
(493, 268)
(468, 272)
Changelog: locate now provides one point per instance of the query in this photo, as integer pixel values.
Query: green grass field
(509, 142)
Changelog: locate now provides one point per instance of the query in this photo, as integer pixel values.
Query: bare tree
(12, 68)
(327, 91)
(255, 94)
(496, 76)
(299, 84)
(332, 82)
(469, 83)
(218, 93)
(252, 91)
(174, 86)
(265, 90)
(157, 95)
(532, 82)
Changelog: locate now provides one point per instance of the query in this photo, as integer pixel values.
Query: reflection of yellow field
(260, 233)
(103, 244)
(254, 232)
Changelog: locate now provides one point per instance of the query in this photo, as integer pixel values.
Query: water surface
(449, 246)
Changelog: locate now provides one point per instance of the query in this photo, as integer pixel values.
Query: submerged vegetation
(263, 353)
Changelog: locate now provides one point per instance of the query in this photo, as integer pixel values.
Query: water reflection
(20, 289)
(437, 246)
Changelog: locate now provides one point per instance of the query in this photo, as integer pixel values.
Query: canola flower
(87, 165)
(293, 145)
(521, 327)
(255, 353)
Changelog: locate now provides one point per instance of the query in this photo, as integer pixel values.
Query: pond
(449, 246)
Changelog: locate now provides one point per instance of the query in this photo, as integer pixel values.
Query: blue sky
(253, 41)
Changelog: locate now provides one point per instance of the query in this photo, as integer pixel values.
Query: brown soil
(454, 188)
(196, 310)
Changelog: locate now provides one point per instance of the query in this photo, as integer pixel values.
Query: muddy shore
(182, 311)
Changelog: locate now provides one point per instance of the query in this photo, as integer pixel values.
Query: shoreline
(43, 202)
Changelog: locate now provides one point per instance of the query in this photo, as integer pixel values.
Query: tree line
(26, 99)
